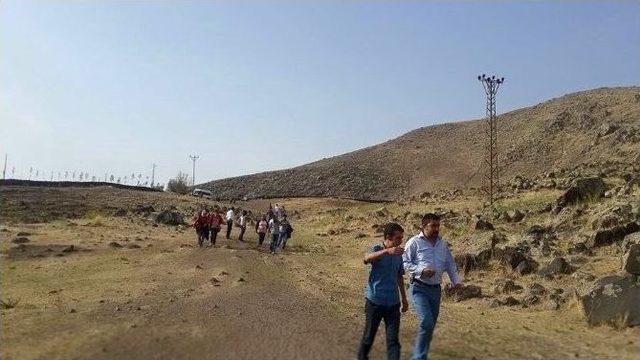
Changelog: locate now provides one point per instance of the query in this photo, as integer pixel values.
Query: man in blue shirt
(384, 292)
(425, 259)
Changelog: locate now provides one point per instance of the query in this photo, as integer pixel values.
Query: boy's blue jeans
(426, 303)
(374, 313)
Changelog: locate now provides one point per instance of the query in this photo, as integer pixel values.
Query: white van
(201, 193)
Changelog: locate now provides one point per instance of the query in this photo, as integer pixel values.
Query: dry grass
(98, 293)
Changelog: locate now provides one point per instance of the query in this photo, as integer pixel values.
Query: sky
(112, 87)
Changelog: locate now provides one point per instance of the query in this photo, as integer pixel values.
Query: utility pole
(491, 85)
(153, 173)
(4, 170)
(193, 175)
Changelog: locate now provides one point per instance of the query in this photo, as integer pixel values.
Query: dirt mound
(590, 128)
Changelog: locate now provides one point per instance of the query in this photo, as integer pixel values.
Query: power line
(491, 85)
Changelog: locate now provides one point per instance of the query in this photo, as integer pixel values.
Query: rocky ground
(109, 273)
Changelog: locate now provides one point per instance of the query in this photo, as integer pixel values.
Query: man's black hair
(391, 229)
(430, 217)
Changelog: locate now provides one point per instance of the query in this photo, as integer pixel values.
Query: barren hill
(594, 127)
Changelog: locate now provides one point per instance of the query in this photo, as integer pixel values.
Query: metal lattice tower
(491, 179)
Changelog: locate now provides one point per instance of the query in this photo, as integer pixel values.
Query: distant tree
(86, 176)
(111, 178)
(66, 175)
(30, 171)
(80, 176)
(179, 184)
(93, 178)
(118, 180)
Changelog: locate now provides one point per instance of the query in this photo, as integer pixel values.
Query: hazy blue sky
(113, 86)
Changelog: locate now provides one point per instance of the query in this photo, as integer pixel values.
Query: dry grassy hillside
(600, 126)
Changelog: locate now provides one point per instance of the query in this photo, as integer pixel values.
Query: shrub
(179, 184)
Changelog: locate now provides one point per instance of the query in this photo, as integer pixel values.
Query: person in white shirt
(274, 230)
(242, 223)
(426, 257)
(229, 220)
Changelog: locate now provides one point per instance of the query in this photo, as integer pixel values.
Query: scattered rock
(613, 300)
(530, 299)
(143, 209)
(169, 217)
(23, 233)
(381, 212)
(463, 292)
(631, 260)
(551, 305)
(215, 281)
(505, 286)
(20, 240)
(478, 223)
(509, 301)
(582, 189)
(606, 129)
(478, 250)
(606, 237)
(557, 266)
(68, 249)
(526, 266)
(133, 246)
(514, 215)
(120, 212)
(536, 289)
(115, 244)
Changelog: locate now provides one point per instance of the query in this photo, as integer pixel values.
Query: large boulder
(608, 236)
(170, 217)
(613, 300)
(631, 260)
(582, 189)
(557, 266)
(630, 239)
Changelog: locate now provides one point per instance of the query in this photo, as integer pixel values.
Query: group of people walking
(273, 225)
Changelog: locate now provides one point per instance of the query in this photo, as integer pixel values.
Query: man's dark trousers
(229, 226)
(374, 313)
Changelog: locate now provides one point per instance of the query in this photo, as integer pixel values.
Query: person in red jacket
(215, 223)
(201, 224)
